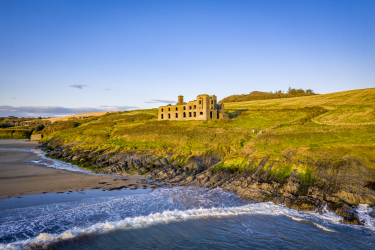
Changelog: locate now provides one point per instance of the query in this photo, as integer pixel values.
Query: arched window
(176, 115)
(211, 114)
(189, 114)
(162, 116)
(169, 116)
(162, 110)
(195, 114)
(195, 106)
(200, 101)
(176, 109)
(184, 115)
(189, 107)
(169, 109)
(201, 113)
(212, 101)
(184, 107)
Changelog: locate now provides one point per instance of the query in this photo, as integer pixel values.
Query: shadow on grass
(235, 113)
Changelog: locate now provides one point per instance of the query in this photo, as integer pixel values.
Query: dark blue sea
(171, 218)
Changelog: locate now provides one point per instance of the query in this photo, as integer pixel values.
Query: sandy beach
(19, 176)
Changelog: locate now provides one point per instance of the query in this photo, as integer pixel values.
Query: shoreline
(339, 191)
(292, 193)
(19, 176)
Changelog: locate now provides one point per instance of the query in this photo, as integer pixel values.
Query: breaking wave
(36, 226)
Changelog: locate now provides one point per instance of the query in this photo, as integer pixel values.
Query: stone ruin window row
(191, 114)
(184, 108)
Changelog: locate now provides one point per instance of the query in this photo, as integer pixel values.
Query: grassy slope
(355, 107)
(65, 118)
(347, 127)
(336, 124)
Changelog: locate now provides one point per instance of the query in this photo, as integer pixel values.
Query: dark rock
(292, 187)
(349, 216)
(338, 185)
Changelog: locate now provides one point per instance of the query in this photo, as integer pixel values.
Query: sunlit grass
(338, 124)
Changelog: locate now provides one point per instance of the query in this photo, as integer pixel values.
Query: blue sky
(62, 57)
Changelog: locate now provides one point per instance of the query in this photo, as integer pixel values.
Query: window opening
(201, 113)
(176, 115)
(162, 117)
(211, 114)
(195, 114)
(195, 106)
(184, 115)
(189, 114)
(176, 109)
(169, 116)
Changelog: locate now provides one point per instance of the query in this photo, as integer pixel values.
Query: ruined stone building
(204, 108)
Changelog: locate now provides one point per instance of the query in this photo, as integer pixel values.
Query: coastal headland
(310, 153)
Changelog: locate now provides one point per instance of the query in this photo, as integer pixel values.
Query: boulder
(292, 187)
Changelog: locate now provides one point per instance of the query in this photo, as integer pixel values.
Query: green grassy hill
(301, 128)
(354, 107)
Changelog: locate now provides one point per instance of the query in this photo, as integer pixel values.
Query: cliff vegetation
(300, 151)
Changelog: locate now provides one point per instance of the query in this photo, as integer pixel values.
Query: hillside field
(65, 118)
(296, 130)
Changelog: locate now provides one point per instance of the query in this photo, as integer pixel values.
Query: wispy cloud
(107, 89)
(48, 111)
(162, 101)
(77, 86)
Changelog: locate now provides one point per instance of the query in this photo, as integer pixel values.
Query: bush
(14, 134)
(58, 126)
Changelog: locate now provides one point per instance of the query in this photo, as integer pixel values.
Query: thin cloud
(117, 108)
(47, 111)
(160, 101)
(107, 89)
(77, 86)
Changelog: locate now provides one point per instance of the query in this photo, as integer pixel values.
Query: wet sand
(19, 176)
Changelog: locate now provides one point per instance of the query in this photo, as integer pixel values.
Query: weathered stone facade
(36, 137)
(204, 108)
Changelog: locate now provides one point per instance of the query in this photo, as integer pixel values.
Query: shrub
(14, 134)
(58, 126)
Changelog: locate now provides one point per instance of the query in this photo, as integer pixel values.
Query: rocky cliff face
(339, 185)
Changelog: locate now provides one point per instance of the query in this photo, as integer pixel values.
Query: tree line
(259, 95)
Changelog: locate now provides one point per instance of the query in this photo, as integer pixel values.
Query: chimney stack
(180, 99)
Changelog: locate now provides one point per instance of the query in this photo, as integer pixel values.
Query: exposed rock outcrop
(339, 186)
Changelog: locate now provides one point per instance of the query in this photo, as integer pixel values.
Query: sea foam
(170, 216)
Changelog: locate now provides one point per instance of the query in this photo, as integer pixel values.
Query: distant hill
(78, 116)
(258, 95)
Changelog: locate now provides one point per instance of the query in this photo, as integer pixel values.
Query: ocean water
(171, 218)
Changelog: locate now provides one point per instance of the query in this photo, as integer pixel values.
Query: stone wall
(204, 108)
(36, 137)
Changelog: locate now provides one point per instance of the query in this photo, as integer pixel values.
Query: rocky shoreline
(339, 187)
